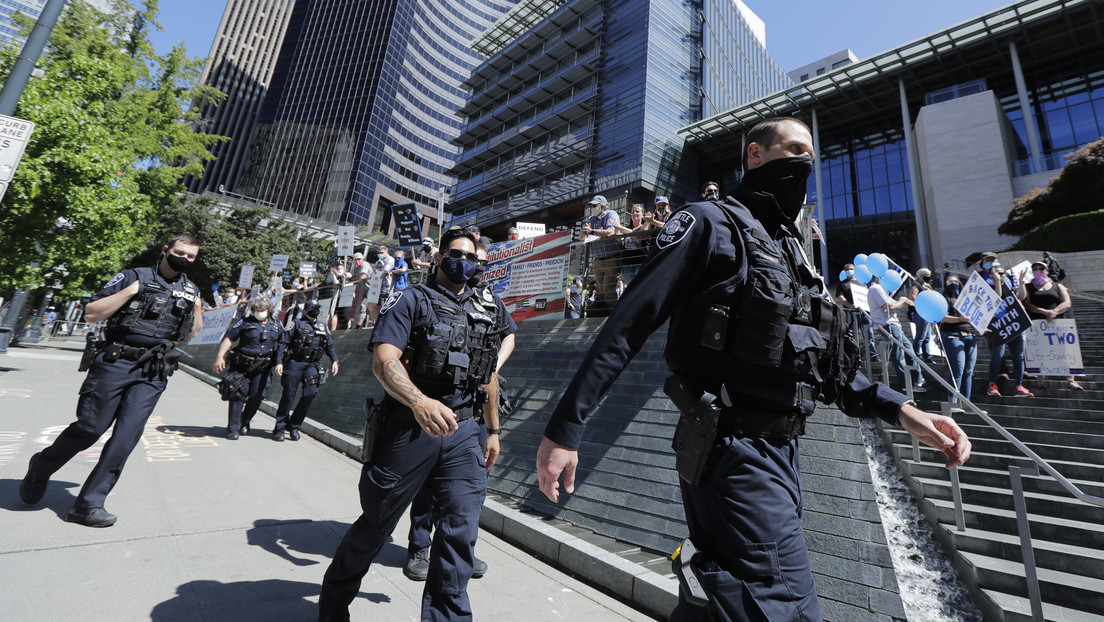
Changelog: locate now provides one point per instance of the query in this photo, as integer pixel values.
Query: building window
(955, 91)
(841, 63)
(804, 77)
(820, 71)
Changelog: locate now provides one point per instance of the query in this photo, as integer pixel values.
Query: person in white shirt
(883, 312)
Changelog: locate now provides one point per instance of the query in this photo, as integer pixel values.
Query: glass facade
(361, 108)
(587, 98)
(865, 177)
(30, 8)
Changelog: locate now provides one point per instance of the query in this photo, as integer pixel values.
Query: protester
(959, 340)
(921, 341)
(1044, 299)
(994, 276)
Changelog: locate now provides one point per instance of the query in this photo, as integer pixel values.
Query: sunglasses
(456, 253)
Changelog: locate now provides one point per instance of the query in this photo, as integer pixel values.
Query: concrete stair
(1066, 428)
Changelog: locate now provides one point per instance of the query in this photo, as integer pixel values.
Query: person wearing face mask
(959, 341)
(307, 340)
(435, 346)
(382, 270)
(260, 345)
(846, 297)
(147, 311)
(1044, 299)
(658, 216)
(991, 272)
(751, 343)
(711, 191)
(359, 274)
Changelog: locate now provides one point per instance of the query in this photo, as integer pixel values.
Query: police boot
(293, 434)
(417, 565)
(278, 436)
(33, 486)
(92, 517)
(479, 568)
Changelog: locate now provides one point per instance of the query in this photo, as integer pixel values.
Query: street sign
(14, 136)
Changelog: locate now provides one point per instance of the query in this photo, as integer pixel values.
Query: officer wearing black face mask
(435, 347)
(307, 340)
(753, 342)
(147, 311)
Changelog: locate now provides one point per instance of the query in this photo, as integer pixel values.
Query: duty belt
(464, 413)
(116, 351)
(760, 425)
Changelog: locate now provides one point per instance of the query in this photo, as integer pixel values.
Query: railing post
(956, 485)
(1033, 594)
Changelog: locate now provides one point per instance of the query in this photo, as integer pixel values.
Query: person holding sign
(991, 273)
(959, 340)
(1043, 299)
(883, 312)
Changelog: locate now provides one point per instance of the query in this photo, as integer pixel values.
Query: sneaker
(33, 486)
(993, 390)
(278, 436)
(1022, 391)
(1073, 386)
(919, 388)
(93, 517)
(877, 359)
(416, 567)
(479, 568)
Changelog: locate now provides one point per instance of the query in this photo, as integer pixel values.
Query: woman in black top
(1043, 299)
(959, 340)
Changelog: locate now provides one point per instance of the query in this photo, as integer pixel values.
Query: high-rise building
(579, 97)
(8, 8)
(240, 65)
(360, 114)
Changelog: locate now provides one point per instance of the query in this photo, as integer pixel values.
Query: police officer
(308, 338)
(422, 519)
(753, 341)
(147, 311)
(260, 345)
(435, 346)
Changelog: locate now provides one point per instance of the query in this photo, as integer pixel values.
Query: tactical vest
(157, 311)
(308, 345)
(456, 345)
(783, 343)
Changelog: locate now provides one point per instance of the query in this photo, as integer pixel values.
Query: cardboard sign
(345, 240)
(408, 224)
(1053, 348)
(978, 303)
(307, 269)
(1010, 320)
(278, 263)
(245, 278)
(859, 296)
(215, 324)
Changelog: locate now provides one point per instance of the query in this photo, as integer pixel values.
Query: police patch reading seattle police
(675, 229)
(391, 301)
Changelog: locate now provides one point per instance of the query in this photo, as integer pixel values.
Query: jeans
(920, 344)
(996, 353)
(897, 353)
(868, 331)
(961, 352)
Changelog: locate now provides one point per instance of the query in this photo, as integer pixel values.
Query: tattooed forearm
(398, 383)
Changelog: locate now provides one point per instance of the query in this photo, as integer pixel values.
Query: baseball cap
(427, 241)
(1039, 262)
(598, 199)
(662, 200)
(988, 254)
(358, 255)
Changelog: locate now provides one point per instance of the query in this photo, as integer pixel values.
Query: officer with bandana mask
(147, 311)
(752, 342)
(307, 339)
(435, 346)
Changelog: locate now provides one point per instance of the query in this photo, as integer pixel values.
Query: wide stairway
(1063, 427)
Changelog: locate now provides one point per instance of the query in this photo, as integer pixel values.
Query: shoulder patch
(391, 301)
(115, 279)
(675, 229)
(238, 323)
(488, 295)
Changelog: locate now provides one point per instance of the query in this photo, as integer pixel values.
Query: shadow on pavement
(59, 498)
(193, 431)
(293, 540)
(245, 601)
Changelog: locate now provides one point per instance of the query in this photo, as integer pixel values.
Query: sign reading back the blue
(408, 224)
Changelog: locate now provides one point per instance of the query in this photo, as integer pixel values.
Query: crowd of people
(1040, 293)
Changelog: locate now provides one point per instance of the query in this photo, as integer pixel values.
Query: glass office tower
(580, 97)
(360, 113)
(8, 8)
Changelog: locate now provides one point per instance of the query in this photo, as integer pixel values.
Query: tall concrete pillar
(821, 220)
(1033, 145)
(914, 177)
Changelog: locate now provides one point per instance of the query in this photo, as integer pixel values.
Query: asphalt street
(211, 529)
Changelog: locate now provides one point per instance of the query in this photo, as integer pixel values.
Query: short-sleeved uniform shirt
(407, 308)
(257, 338)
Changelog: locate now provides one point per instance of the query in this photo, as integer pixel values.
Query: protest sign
(307, 268)
(278, 263)
(408, 224)
(528, 274)
(1010, 320)
(1053, 348)
(245, 278)
(978, 302)
(530, 229)
(215, 324)
(345, 241)
(859, 296)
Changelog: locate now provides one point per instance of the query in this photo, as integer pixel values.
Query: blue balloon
(892, 281)
(843, 275)
(214, 287)
(862, 274)
(931, 305)
(877, 264)
(859, 260)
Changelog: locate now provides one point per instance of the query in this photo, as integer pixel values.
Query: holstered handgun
(696, 430)
(93, 343)
(373, 425)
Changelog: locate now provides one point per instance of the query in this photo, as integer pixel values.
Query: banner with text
(528, 275)
(1053, 348)
(215, 324)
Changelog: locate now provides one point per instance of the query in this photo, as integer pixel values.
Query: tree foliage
(114, 133)
(1077, 189)
(245, 235)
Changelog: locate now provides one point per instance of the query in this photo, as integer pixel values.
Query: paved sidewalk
(215, 530)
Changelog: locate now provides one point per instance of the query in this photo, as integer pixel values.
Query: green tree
(1078, 188)
(114, 133)
(246, 234)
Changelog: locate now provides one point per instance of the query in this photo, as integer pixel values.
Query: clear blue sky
(798, 31)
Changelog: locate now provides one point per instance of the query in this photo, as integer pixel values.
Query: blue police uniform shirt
(405, 309)
(306, 326)
(256, 338)
(698, 248)
(118, 283)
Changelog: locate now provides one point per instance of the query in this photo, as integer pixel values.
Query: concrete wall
(966, 174)
(627, 487)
